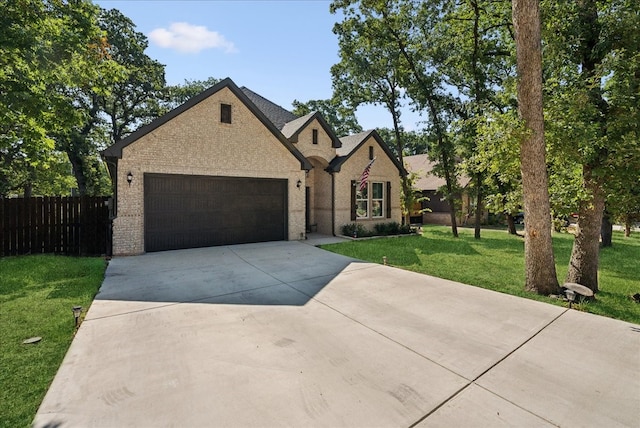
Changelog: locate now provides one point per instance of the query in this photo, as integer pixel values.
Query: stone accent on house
(197, 143)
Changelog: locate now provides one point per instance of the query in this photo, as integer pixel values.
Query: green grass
(37, 293)
(496, 262)
(36, 296)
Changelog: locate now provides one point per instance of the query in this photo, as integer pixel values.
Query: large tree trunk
(540, 269)
(606, 230)
(406, 188)
(511, 224)
(478, 205)
(27, 190)
(76, 145)
(450, 196)
(73, 146)
(583, 266)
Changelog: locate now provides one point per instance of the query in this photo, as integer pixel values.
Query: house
(427, 183)
(229, 167)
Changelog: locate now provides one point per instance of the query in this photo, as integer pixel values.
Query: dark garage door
(186, 211)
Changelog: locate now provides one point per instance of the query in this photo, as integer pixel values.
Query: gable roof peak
(351, 143)
(115, 150)
(292, 129)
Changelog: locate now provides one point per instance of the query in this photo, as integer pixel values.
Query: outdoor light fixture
(129, 178)
(571, 296)
(77, 310)
(298, 184)
(575, 291)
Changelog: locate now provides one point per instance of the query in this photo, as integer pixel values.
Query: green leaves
(175, 95)
(592, 86)
(46, 52)
(338, 115)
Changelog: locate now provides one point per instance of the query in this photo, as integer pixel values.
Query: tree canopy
(48, 49)
(338, 115)
(75, 78)
(455, 61)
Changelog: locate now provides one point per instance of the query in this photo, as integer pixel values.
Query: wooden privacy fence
(75, 225)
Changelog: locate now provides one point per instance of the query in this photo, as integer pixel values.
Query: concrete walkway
(317, 239)
(286, 334)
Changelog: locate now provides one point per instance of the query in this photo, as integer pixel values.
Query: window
(225, 113)
(377, 199)
(362, 203)
(315, 136)
(373, 202)
(370, 152)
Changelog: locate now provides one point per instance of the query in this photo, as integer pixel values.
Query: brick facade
(382, 170)
(197, 143)
(192, 140)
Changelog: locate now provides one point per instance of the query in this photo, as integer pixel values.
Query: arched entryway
(319, 209)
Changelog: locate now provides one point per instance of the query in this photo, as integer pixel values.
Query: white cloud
(188, 38)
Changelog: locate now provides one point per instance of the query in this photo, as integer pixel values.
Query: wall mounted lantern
(129, 178)
(298, 184)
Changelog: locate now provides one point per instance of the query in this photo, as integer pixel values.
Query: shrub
(392, 228)
(379, 229)
(355, 230)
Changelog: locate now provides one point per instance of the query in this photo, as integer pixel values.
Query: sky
(282, 50)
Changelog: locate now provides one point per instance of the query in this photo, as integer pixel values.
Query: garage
(187, 211)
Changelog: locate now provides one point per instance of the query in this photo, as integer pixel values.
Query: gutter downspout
(333, 203)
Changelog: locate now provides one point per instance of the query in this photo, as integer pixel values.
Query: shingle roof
(423, 166)
(284, 125)
(290, 128)
(351, 143)
(276, 114)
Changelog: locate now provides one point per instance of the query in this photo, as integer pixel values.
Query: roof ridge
(244, 88)
(277, 114)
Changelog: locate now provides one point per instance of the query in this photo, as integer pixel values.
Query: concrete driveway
(286, 334)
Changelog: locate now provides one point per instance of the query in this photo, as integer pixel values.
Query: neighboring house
(428, 184)
(229, 167)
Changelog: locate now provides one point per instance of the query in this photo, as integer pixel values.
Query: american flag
(365, 175)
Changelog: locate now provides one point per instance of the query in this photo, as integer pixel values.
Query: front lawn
(36, 296)
(496, 262)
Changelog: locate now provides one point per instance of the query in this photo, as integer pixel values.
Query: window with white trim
(377, 199)
(362, 202)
